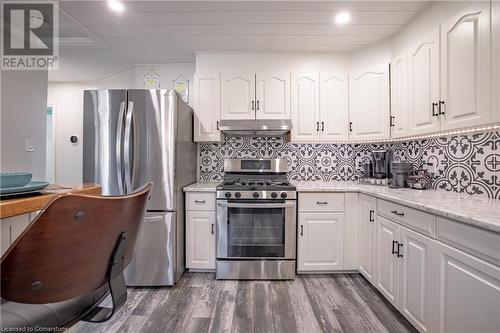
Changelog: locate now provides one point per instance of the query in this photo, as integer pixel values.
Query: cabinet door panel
(237, 96)
(387, 262)
(467, 293)
(320, 242)
(334, 106)
(206, 107)
(495, 30)
(369, 104)
(399, 95)
(423, 75)
(305, 107)
(366, 236)
(465, 70)
(416, 279)
(200, 239)
(273, 96)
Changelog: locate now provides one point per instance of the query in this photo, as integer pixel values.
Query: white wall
(67, 99)
(23, 116)
(376, 55)
(209, 63)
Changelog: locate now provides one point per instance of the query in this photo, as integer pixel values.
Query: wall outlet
(30, 145)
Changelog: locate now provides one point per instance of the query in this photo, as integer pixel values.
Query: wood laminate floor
(310, 303)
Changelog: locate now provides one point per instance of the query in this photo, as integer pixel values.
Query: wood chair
(69, 259)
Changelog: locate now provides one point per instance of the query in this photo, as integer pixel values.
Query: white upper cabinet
(334, 106)
(238, 96)
(369, 104)
(305, 107)
(423, 88)
(495, 29)
(466, 68)
(399, 95)
(206, 107)
(272, 96)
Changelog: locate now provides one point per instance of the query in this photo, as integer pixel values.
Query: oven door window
(255, 232)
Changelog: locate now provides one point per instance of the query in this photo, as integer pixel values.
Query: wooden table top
(24, 205)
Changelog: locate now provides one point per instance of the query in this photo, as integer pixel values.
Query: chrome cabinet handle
(321, 202)
(301, 230)
(200, 201)
(371, 216)
(394, 243)
(400, 255)
(397, 213)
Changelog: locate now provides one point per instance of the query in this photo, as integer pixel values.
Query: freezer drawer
(154, 258)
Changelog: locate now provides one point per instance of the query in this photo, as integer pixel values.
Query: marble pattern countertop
(478, 211)
(201, 187)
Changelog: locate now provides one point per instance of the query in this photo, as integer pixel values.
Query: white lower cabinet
(200, 231)
(320, 242)
(366, 236)
(387, 259)
(467, 292)
(404, 271)
(416, 279)
(12, 228)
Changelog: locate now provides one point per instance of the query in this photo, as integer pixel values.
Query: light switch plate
(30, 145)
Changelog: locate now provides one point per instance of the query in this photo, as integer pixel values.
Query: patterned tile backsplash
(468, 163)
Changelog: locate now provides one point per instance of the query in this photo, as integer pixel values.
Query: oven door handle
(262, 205)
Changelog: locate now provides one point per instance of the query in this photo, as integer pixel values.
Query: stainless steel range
(256, 221)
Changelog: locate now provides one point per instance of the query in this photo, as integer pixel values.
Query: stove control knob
(283, 195)
(274, 195)
(227, 194)
(255, 195)
(237, 195)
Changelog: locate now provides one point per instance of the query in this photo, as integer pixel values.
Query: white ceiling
(98, 43)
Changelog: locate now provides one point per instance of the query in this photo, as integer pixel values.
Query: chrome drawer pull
(200, 201)
(322, 202)
(397, 213)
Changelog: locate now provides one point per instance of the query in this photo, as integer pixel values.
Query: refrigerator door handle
(126, 147)
(119, 131)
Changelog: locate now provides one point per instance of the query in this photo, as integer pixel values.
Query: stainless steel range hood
(254, 127)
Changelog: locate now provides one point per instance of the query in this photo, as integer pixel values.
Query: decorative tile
(464, 163)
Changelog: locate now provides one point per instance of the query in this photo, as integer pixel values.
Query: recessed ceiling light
(116, 6)
(343, 18)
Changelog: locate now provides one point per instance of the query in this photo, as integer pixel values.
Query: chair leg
(116, 284)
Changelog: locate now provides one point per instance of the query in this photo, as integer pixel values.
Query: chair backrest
(65, 252)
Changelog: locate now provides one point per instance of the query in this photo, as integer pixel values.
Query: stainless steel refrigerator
(131, 137)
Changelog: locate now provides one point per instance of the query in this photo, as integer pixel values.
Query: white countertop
(474, 210)
(201, 187)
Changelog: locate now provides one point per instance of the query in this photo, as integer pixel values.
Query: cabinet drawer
(422, 222)
(482, 243)
(321, 202)
(200, 201)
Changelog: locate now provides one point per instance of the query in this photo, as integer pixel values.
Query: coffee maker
(380, 171)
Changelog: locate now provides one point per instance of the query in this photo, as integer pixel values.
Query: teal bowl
(14, 179)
